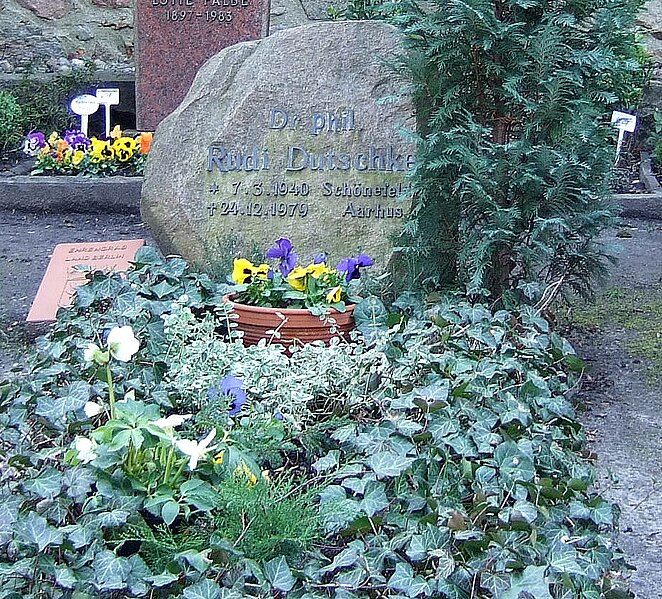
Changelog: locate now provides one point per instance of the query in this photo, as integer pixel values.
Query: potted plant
(290, 303)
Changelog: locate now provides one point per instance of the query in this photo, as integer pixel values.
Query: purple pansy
(231, 387)
(285, 253)
(320, 258)
(34, 143)
(77, 139)
(351, 266)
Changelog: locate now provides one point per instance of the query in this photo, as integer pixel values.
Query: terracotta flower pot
(294, 325)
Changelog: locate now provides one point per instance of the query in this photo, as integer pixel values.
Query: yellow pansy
(242, 269)
(101, 150)
(317, 270)
(261, 272)
(334, 295)
(125, 148)
(297, 278)
(116, 133)
(77, 157)
(219, 457)
(45, 150)
(53, 138)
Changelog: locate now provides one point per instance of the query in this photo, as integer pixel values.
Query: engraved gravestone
(297, 135)
(175, 37)
(66, 272)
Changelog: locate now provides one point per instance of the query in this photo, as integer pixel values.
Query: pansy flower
(77, 139)
(125, 148)
(286, 255)
(233, 388)
(244, 270)
(101, 150)
(317, 270)
(297, 278)
(334, 295)
(34, 143)
(145, 141)
(351, 266)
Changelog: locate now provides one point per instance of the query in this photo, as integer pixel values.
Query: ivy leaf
(47, 485)
(110, 571)
(327, 462)
(347, 557)
(563, 558)
(162, 580)
(374, 498)
(64, 577)
(205, 589)
(530, 583)
(404, 581)
(36, 530)
(278, 574)
(387, 464)
(8, 514)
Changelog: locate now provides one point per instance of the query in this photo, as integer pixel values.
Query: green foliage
(361, 10)
(45, 102)
(12, 121)
(441, 460)
(515, 150)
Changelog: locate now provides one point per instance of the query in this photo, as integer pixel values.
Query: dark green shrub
(11, 121)
(45, 102)
(514, 99)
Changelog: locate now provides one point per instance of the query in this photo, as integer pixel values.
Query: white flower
(172, 421)
(85, 448)
(122, 343)
(196, 450)
(91, 352)
(91, 409)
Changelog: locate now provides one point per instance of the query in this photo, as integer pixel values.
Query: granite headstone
(67, 271)
(175, 37)
(297, 135)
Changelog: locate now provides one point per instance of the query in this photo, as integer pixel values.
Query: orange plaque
(63, 274)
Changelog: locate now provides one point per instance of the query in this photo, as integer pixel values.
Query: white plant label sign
(624, 122)
(84, 106)
(108, 97)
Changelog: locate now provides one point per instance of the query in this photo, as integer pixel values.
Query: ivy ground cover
(149, 453)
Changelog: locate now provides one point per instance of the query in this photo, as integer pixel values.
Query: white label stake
(108, 97)
(623, 122)
(84, 106)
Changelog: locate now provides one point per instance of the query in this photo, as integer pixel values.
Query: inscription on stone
(175, 37)
(279, 142)
(284, 180)
(66, 272)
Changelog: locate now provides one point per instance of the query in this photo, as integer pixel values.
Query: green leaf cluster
(446, 463)
(513, 104)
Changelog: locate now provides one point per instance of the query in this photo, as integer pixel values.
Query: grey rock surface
(285, 136)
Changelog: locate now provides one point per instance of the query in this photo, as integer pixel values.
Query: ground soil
(623, 412)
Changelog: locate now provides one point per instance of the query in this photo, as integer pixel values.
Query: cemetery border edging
(84, 195)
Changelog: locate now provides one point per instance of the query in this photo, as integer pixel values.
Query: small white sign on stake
(108, 97)
(84, 106)
(623, 122)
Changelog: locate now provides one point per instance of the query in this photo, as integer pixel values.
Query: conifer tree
(514, 99)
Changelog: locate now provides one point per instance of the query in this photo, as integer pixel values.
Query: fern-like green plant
(514, 99)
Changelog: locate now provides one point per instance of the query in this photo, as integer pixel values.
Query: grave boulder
(298, 135)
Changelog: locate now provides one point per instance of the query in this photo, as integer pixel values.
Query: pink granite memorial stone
(175, 37)
(67, 269)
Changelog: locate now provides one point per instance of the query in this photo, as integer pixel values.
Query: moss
(638, 311)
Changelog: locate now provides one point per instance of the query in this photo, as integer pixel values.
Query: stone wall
(52, 35)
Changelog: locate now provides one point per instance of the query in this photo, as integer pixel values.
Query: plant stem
(111, 391)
